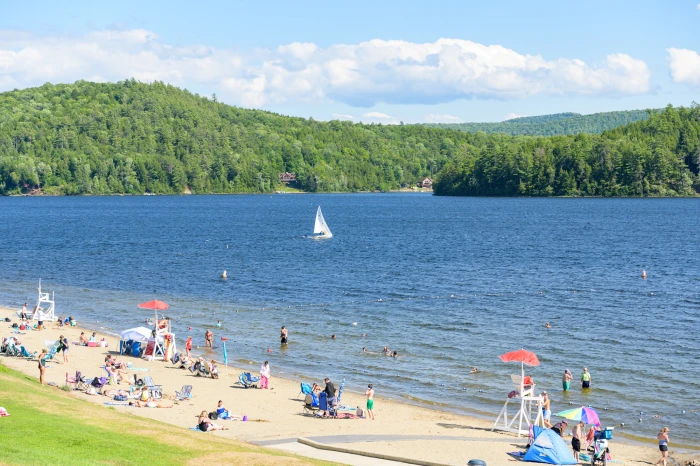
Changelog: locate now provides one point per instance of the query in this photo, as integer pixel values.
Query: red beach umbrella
(154, 305)
(522, 356)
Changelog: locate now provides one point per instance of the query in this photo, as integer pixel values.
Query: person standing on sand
(23, 316)
(283, 335)
(566, 380)
(370, 401)
(546, 410)
(209, 338)
(188, 346)
(42, 366)
(586, 378)
(265, 376)
(64, 347)
(663, 445)
(577, 434)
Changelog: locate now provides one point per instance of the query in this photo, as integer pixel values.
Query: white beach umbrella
(137, 334)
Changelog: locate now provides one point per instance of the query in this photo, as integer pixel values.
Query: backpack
(15, 325)
(213, 416)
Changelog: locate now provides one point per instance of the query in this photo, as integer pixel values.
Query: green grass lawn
(49, 426)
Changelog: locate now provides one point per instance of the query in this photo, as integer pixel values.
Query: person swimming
(218, 323)
(547, 325)
(333, 337)
(474, 371)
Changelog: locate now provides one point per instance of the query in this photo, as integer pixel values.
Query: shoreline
(280, 415)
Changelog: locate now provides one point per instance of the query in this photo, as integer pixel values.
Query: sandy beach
(276, 414)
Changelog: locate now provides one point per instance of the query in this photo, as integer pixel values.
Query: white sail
(320, 227)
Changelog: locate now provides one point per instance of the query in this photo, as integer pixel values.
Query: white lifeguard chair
(44, 309)
(520, 422)
(164, 342)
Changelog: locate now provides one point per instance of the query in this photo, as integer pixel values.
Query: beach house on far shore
(426, 183)
(287, 177)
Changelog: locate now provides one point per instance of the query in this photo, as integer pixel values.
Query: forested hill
(553, 125)
(659, 156)
(130, 137)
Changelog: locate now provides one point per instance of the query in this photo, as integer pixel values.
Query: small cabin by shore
(426, 183)
(287, 177)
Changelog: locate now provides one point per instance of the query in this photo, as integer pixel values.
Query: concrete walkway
(293, 446)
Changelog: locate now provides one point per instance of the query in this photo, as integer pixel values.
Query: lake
(450, 283)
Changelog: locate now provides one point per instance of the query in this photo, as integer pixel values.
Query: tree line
(131, 137)
(659, 156)
(553, 125)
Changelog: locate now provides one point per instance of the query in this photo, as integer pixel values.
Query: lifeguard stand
(164, 341)
(44, 309)
(520, 422)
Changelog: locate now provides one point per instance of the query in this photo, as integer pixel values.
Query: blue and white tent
(549, 448)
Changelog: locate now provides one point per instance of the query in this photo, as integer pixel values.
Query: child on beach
(546, 410)
(663, 445)
(265, 375)
(370, 401)
(213, 370)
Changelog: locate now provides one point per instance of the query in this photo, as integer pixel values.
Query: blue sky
(371, 61)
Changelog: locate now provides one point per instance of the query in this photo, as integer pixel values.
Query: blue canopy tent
(549, 448)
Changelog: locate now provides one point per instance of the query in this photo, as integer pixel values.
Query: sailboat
(321, 230)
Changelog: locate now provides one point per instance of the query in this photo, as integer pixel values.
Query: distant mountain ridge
(554, 124)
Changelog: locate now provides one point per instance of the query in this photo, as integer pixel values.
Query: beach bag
(15, 325)
(213, 416)
(120, 398)
(360, 412)
(7, 319)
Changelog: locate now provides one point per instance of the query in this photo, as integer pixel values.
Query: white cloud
(513, 115)
(698, 7)
(441, 118)
(363, 74)
(342, 116)
(685, 66)
(379, 117)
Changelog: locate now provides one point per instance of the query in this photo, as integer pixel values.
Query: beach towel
(111, 403)
(198, 429)
(140, 369)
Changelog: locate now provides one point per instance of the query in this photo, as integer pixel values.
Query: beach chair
(26, 354)
(51, 353)
(310, 404)
(520, 386)
(185, 393)
(305, 389)
(245, 380)
(81, 382)
(325, 406)
(156, 390)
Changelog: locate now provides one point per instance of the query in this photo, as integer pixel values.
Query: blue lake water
(450, 283)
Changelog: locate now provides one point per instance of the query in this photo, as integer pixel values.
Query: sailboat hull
(321, 236)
